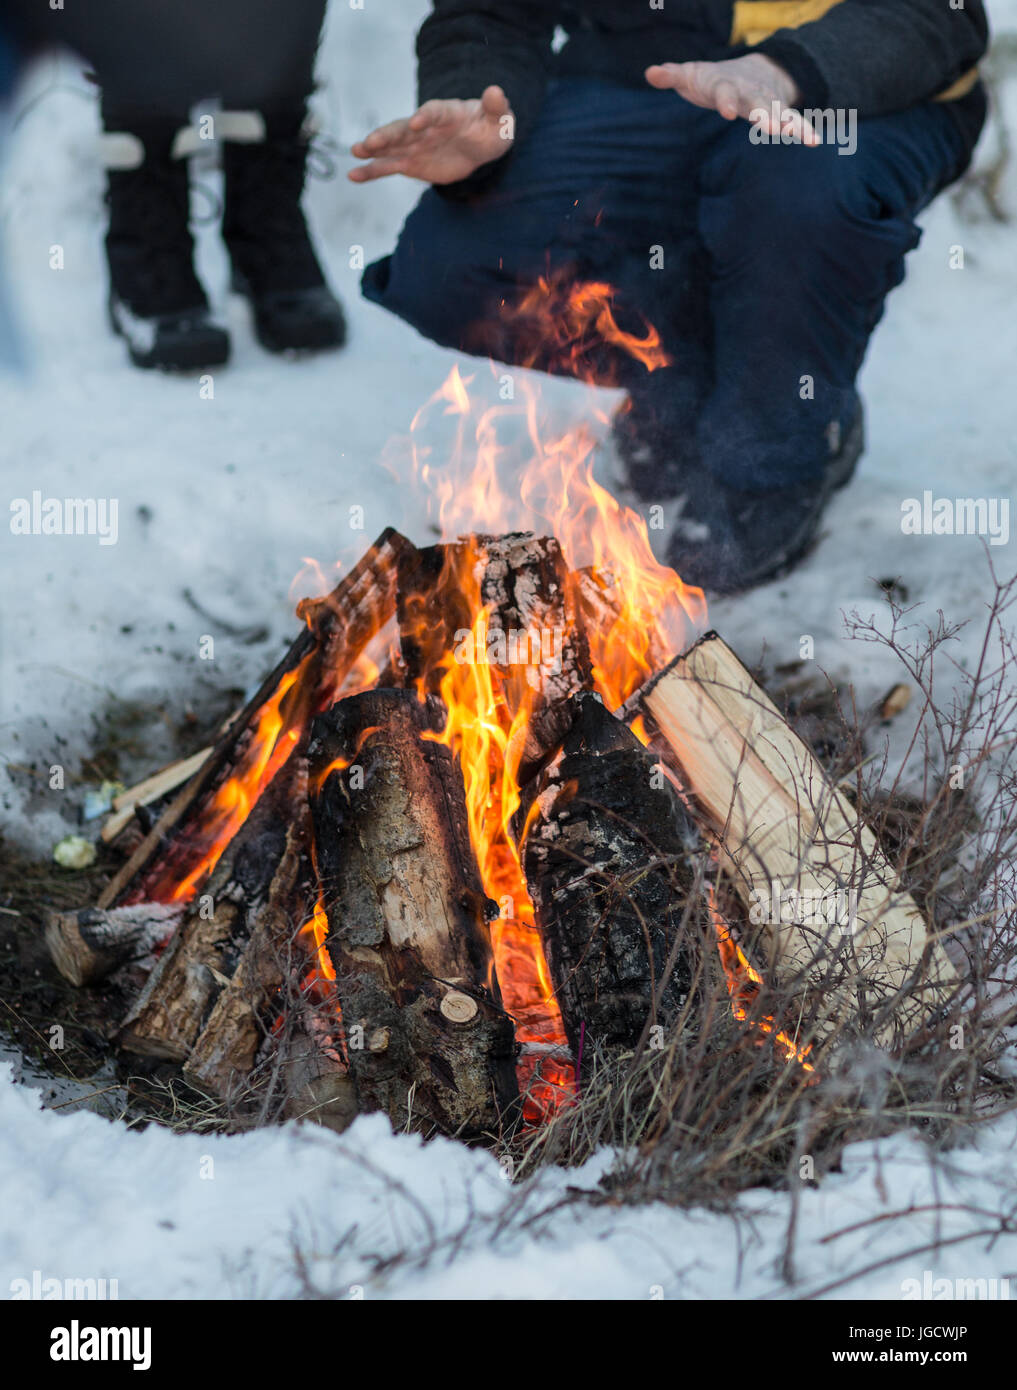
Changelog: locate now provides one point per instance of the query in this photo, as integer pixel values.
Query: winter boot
(156, 302)
(727, 541)
(274, 264)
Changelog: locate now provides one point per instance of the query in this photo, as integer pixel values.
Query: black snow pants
(156, 58)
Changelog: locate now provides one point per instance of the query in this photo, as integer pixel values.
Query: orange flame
(502, 470)
(743, 984)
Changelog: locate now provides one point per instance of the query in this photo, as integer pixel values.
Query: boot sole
(185, 353)
(328, 337)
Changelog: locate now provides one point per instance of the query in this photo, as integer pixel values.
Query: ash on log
(526, 590)
(337, 629)
(91, 943)
(205, 950)
(610, 861)
(427, 1040)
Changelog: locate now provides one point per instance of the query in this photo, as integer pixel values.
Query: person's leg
(804, 245)
(593, 195)
(265, 149)
(153, 62)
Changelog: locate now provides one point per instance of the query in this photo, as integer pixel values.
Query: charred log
(533, 639)
(610, 863)
(90, 944)
(239, 1021)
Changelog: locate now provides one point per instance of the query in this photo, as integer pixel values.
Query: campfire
(485, 821)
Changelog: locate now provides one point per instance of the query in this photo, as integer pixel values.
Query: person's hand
(442, 142)
(744, 87)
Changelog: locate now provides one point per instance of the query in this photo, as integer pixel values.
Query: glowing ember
(743, 982)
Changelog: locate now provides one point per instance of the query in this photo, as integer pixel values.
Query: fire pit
(470, 830)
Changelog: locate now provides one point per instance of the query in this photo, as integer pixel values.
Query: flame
(315, 933)
(487, 718)
(743, 984)
(280, 721)
(502, 470)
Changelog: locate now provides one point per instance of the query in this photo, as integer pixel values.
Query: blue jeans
(776, 260)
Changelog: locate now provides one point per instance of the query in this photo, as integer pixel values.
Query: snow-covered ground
(194, 1216)
(227, 496)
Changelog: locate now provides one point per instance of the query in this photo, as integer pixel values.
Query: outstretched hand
(442, 142)
(745, 87)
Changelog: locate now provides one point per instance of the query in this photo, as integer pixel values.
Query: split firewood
(153, 788)
(427, 1040)
(830, 919)
(337, 629)
(205, 951)
(610, 861)
(91, 943)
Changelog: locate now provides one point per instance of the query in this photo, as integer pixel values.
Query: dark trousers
(773, 261)
(155, 58)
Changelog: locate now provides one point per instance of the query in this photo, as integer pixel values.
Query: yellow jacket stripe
(756, 20)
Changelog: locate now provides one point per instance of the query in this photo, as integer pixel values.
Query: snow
(214, 1217)
(228, 496)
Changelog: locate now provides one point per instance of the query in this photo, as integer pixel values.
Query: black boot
(727, 541)
(274, 263)
(156, 302)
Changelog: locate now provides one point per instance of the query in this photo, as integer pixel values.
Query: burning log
(610, 864)
(91, 943)
(205, 950)
(532, 607)
(856, 944)
(533, 637)
(225, 1051)
(338, 628)
(427, 1040)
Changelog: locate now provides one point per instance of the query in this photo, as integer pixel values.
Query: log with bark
(91, 943)
(427, 1039)
(206, 949)
(611, 864)
(265, 956)
(853, 946)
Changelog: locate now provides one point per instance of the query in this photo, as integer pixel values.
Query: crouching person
(748, 179)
